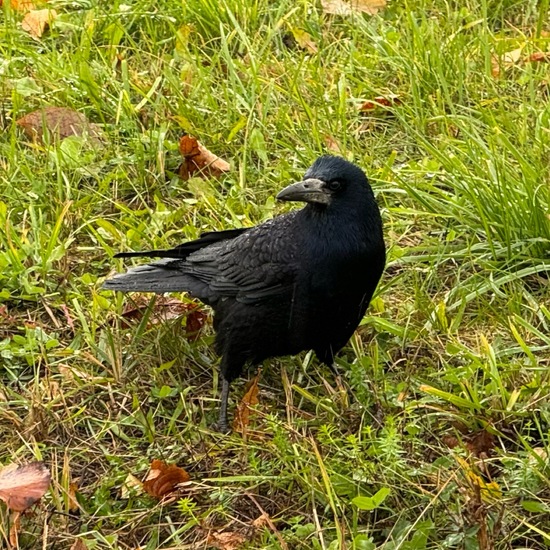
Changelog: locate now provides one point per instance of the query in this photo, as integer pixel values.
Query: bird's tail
(162, 276)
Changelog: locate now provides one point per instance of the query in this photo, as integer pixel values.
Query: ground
(444, 440)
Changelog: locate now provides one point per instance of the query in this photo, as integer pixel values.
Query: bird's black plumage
(300, 281)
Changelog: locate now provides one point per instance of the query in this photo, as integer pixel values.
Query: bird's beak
(309, 190)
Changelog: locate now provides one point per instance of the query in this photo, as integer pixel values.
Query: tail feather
(158, 277)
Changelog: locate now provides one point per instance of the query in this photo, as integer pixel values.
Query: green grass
(455, 346)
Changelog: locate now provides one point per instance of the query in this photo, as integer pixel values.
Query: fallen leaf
(131, 485)
(333, 145)
(198, 159)
(341, 7)
(261, 521)
(226, 540)
(250, 399)
(538, 57)
(73, 503)
(21, 5)
(23, 485)
(78, 544)
(163, 479)
(165, 309)
(304, 40)
(35, 22)
(60, 122)
(505, 61)
(380, 101)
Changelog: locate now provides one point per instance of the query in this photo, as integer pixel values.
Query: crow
(300, 281)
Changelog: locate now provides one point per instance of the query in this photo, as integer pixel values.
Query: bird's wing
(250, 268)
(246, 265)
(183, 250)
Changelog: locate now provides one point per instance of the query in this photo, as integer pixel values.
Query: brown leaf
(35, 22)
(198, 159)
(341, 7)
(78, 544)
(481, 443)
(167, 308)
(304, 40)
(163, 479)
(21, 5)
(226, 540)
(73, 503)
(60, 122)
(333, 145)
(250, 399)
(22, 486)
(380, 101)
(538, 57)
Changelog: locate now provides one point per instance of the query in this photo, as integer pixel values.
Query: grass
(445, 443)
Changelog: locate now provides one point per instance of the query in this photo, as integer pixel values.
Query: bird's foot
(222, 426)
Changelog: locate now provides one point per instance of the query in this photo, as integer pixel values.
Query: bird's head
(328, 178)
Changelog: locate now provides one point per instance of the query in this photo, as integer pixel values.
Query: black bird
(300, 281)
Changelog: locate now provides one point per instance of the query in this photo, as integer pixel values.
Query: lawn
(444, 441)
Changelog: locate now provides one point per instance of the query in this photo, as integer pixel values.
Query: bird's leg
(223, 424)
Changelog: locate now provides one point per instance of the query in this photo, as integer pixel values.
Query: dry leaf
(79, 544)
(507, 60)
(250, 399)
(60, 122)
(262, 521)
(538, 57)
(341, 7)
(163, 479)
(304, 40)
(21, 5)
(226, 540)
(198, 159)
(73, 503)
(165, 309)
(131, 485)
(380, 101)
(35, 22)
(333, 145)
(22, 486)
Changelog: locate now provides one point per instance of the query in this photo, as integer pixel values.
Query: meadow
(444, 440)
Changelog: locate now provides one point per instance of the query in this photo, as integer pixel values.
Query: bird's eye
(334, 185)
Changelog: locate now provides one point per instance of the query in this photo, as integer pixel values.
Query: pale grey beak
(309, 190)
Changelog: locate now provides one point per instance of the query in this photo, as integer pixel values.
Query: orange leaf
(540, 56)
(36, 21)
(380, 101)
(341, 7)
(250, 399)
(163, 479)
(61, 122)
(73, 503)
(197, 158)
(78, 544)
(22, 486)
(21, 5)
